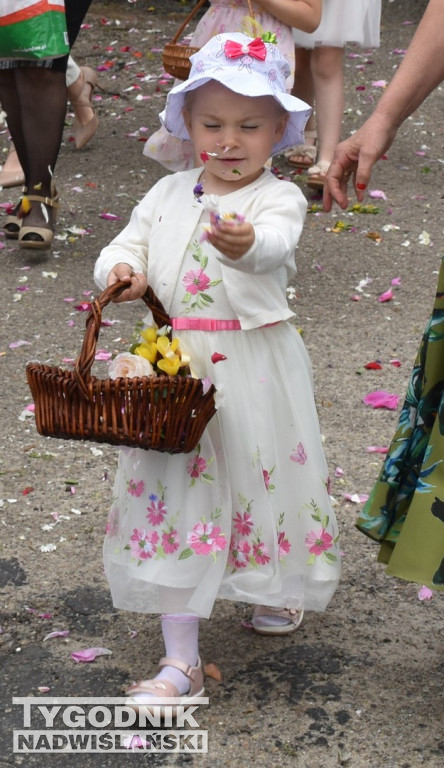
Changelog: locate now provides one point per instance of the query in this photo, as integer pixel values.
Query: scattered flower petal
(381, 399)
(376, 449)
(57, 633)
(212, 670)
(89, 654)
(378, 194)
(425, 593)
(387, 296)
(216, 357)
(374, 366)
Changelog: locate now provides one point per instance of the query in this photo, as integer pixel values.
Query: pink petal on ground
(381, 399)
(43, 688)
(102, 354)
(396, 281)
(396, 363)
(85, 306)
(110, 216)
(356, 297)
(387, 296)
(89, 654)
(378, 194)
(425, 593)
(376, 449)
(379, 83)
(19, 343)
(339, 472)
(57, 633)
(356, 498)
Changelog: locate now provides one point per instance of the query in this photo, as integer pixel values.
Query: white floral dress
(222, 16)
(247, 515)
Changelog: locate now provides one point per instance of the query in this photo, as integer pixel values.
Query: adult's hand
(355, 158)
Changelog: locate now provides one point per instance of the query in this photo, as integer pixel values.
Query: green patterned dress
(405, 511)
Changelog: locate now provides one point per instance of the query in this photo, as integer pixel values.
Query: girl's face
(241, 130)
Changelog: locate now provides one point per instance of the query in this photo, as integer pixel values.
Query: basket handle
(188, 19)
(198, 5)
(87, 355)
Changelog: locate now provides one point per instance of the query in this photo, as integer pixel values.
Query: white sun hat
(246, 66)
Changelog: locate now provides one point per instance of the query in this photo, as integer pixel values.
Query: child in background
(247, 516)
(275, 16)
(319, 78)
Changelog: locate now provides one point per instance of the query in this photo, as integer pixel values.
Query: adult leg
(81, 82)
(328, 79)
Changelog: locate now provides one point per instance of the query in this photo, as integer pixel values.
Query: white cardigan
(163, 223)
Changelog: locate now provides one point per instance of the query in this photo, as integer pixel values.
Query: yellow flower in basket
(165, 355)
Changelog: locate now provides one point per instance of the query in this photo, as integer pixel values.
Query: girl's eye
(212, 125)
(250, 127)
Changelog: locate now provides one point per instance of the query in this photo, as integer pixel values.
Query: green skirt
(405, 510)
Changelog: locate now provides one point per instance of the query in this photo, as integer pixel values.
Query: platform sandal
(13, 221)
(163, 689)
(293, 619)
(46, 234)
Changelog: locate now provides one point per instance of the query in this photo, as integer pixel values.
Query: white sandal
(316, 175)
(305, 151)
(293, 618)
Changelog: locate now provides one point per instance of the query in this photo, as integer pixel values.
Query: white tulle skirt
(247, 515)
(344, 21)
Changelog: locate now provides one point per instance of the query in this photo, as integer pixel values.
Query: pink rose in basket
(129, 365)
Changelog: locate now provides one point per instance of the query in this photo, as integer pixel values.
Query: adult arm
(419, 73)
(302, 14)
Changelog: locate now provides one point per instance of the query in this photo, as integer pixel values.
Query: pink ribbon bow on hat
(256, 49)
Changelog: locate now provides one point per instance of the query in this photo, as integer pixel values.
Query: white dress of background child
(247, 516)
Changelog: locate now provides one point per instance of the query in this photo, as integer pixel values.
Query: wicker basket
(176, 57)
(161, 413)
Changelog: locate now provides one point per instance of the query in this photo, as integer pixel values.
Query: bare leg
(303, 88)
(328, 79)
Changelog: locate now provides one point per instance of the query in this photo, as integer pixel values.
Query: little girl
(275, 16)
(247, 516)
(319, 78)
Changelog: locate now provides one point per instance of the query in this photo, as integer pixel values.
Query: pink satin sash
(204, 324)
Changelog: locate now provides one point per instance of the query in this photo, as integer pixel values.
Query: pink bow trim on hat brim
(256, 49)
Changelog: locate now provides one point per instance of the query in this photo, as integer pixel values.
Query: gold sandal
(45, 233)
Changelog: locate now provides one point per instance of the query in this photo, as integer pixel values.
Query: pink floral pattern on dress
(170, 541)
(197, 467)
(197, 283)
(239, 555)
(319, 541)
(299, 455)
(283, 545)
(135, 487)
(112, 524)
(156, 510)
(206, 538)
(243, 523)
(143, 543)
(261, 553)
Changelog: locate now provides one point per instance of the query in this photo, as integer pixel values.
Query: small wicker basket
(161, 413)
(176, 57)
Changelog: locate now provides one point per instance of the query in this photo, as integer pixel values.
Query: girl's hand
(233, 240)
(137, 282)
